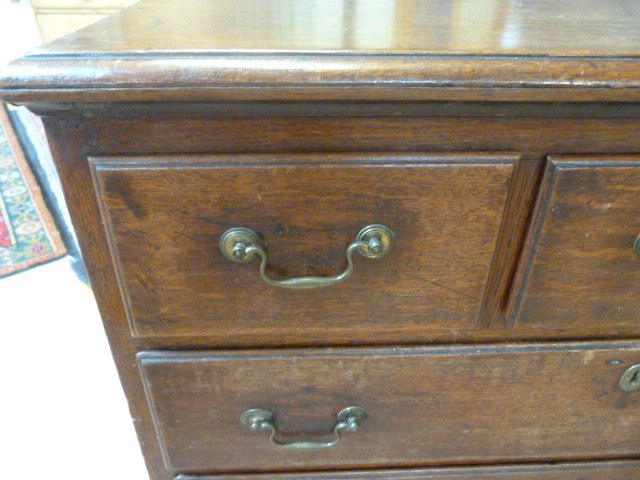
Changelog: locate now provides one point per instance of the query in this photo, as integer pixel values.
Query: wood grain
(211, 100)
(446, 405)
(200, 83)
(583, 272)
(533, 138)
(514, 227)
(74, 139)
(172, 135)
(395, 50)
(166, 215)
(159, 79)
(575, 471)
(373, 104)
(438, 27)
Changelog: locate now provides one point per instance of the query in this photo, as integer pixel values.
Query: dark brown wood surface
(400, 49)
(486, 27)
(296, 78)
(577, 471)
(166, 215)
(533, 137)
(375, 106)
(445, 405)
(75, 139)
(108, 79)
(582, 271)
(512, 233)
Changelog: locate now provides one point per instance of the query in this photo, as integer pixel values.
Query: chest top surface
(418, 27)
(163, 50)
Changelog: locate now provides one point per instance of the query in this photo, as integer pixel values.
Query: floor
(63, 415)
(63, 410)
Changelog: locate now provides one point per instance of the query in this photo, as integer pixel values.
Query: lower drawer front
(584, 471)
(430, 405)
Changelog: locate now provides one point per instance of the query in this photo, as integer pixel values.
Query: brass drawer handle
(349, 419)
(630, 380)
(242, 245)
(636, 245)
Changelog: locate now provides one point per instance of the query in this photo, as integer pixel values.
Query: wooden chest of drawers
(338, 240)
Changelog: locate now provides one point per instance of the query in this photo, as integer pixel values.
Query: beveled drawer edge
(152, 411)
(113, 251)
(624, 470)
(391, 351)
(482, 157)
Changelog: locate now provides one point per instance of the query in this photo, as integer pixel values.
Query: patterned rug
(28, 235)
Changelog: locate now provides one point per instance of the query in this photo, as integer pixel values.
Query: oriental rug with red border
(28, 235)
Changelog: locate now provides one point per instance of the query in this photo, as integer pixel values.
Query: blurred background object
(56, 18)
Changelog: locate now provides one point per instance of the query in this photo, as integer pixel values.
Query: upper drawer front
(166, 215)
(426, 405)
(584, 276)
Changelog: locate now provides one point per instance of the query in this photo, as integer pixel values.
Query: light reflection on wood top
(442, 27)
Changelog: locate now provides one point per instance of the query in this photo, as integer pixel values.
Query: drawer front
(584, 276)
(426, 405)
(165, 217)
(584, 471)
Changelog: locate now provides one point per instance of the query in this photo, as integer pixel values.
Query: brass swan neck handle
(242, 245)
(350, 419)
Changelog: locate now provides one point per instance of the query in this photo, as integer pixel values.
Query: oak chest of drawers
(361, 240)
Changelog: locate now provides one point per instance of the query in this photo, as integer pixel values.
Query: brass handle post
(350, 419)
(242, 245)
